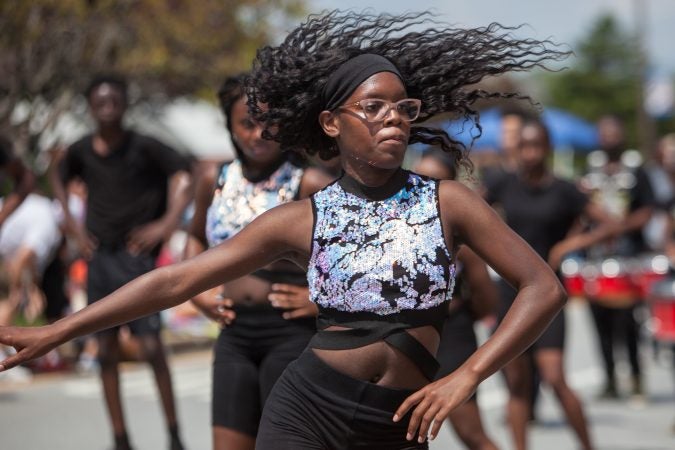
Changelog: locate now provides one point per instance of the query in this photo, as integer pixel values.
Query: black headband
(350, 75)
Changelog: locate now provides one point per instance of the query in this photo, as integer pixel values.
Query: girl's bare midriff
(380, 363)
(252, 290)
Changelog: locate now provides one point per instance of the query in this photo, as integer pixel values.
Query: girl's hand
(293, 298)
(434, 403)
(144, 238)
(29, 343)
(215, 307)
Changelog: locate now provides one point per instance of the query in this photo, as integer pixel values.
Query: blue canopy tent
(568, 132)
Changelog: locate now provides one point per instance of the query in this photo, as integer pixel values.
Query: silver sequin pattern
(383, 256)
(237, 201)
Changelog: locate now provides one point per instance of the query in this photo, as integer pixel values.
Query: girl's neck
(368, 175)
(256, 171)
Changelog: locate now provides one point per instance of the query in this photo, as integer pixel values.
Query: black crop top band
(281, 276)
(366, 328)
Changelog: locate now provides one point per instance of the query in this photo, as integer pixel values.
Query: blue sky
(564, 20)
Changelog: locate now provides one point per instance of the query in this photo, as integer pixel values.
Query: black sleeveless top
(380, 264)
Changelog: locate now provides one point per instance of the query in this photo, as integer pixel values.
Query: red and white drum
(661, 301)
(610, 282)
(571, 269)
(649, 269)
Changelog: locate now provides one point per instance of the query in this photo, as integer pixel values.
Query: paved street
(66, 412)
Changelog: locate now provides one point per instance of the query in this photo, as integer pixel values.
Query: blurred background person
(475, 297)
(267, 317)
(29, 241)
(543, 209)
(21, 178)
(661, 173)
(617, 182)
(137, 190)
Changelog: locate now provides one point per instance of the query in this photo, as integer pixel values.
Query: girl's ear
(330, 123)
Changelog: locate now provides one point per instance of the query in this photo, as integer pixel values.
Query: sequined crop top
(237, 201)
(380, 264)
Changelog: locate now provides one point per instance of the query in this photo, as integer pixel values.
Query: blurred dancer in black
(542, 209)
(259, 339)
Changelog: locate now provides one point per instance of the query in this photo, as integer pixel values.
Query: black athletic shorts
(53, 286)
(552, 337)
(249, 357)
(108, 270)
(313, 406)
(458, 343)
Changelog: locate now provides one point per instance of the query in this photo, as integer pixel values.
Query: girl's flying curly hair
(438, 66)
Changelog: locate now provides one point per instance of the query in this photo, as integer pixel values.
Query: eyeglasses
(376, 110)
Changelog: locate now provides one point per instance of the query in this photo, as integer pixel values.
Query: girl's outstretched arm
(284, 231)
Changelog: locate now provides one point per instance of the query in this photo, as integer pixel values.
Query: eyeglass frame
(390, 105)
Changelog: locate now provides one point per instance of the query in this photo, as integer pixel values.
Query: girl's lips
(394, 138)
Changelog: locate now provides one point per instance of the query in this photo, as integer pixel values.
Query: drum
(661, 300)
(611, 282)
(570, 269)
(650, 269)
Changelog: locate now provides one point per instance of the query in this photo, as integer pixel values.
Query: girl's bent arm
(540, 294)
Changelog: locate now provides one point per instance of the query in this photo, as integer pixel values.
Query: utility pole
(645, 123)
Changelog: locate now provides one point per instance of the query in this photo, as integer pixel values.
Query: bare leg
(469, 428)
(109, 356)
(229, 439)
(518, 380)
(152, 351)
(604, 319)
(550, 364)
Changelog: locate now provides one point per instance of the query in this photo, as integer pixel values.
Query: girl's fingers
(287, 288)
(295, 313)
(438, 421)
(427, 418)
(280, 298)
(416, 417)
(12, 361)
(407, 404)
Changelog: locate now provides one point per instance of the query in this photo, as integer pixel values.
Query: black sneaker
(609, 393)
(176, 444)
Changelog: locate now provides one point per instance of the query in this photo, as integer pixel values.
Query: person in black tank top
(543, 210)
(257, 340)
(137, 190)
(380, 243)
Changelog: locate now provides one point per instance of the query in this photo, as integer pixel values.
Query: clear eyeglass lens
(408, 109)
(376, 110)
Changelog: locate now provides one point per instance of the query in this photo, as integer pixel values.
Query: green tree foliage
(604, 76)
(50, 48)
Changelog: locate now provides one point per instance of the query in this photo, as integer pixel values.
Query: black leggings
(313, 406)
(249, 357)
(613, 324)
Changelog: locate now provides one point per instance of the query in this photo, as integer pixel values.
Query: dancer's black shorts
(109, 270)
(249, 357)
(552, 338)
(458, 343)
(53, 286)
(313, 406)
